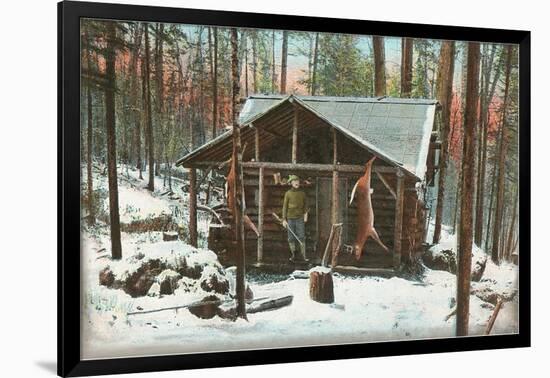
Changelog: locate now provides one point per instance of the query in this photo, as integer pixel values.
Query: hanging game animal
(365, 214)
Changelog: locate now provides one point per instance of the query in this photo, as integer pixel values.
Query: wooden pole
(398, 220)
(193, 207)
(335, 205)
(493, 316)
(261, 215)
(345, 168)
(335, 191)
(295, 137)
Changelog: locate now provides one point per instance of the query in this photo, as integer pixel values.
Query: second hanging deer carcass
(365, 214)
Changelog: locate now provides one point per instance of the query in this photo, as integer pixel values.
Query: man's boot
(292, 251)
(303, 250)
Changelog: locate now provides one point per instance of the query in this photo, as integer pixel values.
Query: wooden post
(398, 220)
(193, 207)
(335, 191)
(295, 137)
(261, 216)
(335, 205)
(257, 144)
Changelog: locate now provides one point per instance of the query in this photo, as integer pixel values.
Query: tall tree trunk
(379, 69)
(110, 122)
(255, 61)
(238, 212)
(149, 120)
(406, 65)
(445, 97)
(215, 85)
(491, 198)
(245, 65)
(273, 77)
(497, 224)
(284, 59)
(159, 76)
(467, 197)
(314, 70)
(89, 139)
(136, 115)
(511, 229)
(488, 92)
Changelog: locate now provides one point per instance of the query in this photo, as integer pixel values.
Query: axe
(290, 230)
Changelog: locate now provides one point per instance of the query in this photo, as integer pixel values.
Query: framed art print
(240, 188)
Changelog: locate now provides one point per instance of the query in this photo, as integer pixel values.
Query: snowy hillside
(366, 309)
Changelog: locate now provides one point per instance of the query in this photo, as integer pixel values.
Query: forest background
(34, 353)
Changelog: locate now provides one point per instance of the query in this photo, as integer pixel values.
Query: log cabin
(327, 141)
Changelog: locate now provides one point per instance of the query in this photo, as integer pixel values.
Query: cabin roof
(397, 130)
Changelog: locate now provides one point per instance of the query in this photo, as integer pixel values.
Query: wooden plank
(261, 216)
(193, 207)
(398, 221)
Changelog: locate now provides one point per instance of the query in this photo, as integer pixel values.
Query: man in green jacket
(295, 216)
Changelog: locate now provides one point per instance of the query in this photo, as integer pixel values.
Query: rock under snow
(168, 281)
(212, 279)
(443, 256)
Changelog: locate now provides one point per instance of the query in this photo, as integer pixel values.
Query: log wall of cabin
(275, 246)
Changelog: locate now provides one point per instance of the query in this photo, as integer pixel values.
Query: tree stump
(321, 288)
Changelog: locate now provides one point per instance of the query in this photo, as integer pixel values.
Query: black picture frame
(69, 360)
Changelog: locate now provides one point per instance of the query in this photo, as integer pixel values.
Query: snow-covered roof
(396, 127)
(397, 130)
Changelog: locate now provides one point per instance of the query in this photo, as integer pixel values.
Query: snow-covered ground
(366, 309)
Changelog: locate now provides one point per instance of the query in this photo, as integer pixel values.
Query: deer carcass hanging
(365, 214)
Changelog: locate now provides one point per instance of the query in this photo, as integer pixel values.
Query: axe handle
(288, 228)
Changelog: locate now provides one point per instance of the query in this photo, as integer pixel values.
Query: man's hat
(292, 178)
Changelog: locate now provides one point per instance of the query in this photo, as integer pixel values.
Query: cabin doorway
(324, 211)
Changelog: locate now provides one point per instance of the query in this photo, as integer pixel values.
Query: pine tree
(500, 184)
(379, 69)
(238, 189)
(465, 240)
(149, 121)
(445, 98)
(406, 66)
(110, 122)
